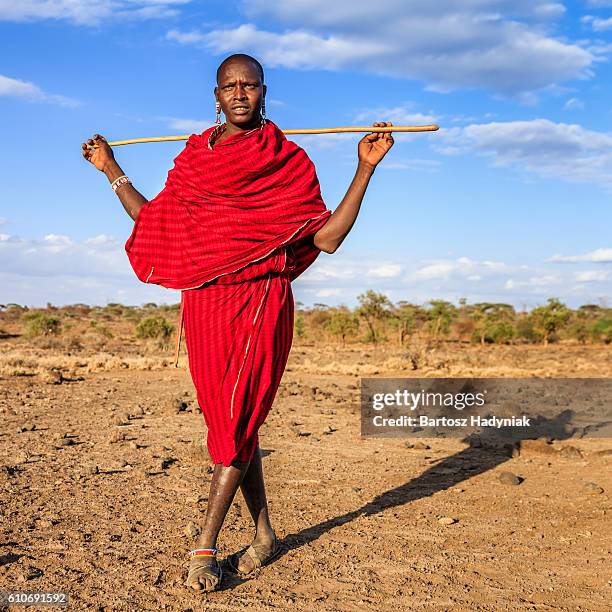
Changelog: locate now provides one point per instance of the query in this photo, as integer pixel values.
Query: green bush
(154, 328)
(101, 329)
(601, 331)
(40, 324)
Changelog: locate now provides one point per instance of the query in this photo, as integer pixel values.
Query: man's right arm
(103, 159)
(129, 196)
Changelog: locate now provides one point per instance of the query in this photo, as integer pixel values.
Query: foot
(204, 574)
(262, 550)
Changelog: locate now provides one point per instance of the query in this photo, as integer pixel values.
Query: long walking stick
(335, 130)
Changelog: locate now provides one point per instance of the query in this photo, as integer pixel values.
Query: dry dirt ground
(104, 480)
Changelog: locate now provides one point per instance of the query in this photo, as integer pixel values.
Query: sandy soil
(104, 480)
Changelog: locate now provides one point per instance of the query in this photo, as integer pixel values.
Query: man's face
(240, 92)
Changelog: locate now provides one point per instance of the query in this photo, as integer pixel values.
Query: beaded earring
(218, 110)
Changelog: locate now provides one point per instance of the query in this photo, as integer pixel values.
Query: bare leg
(223, 487)
(254, 492)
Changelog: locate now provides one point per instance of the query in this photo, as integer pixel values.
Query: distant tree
(318, 317)
(374, 307)
(343, 323)
(550, 318)
(440, 315)
(299, 327)
(493, 322)
(407, 316)
(526, 330)
(41, 324)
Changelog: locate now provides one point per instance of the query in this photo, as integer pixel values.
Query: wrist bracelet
(122, 180)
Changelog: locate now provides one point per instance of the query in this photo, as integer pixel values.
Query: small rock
(65, 442)
(179, 405)
(31, 572)
(116, 436)
(192, 529)
(421, 446)
(571, 452)
(329, 430)
(447, 520)
(509, 478)
(304, 433)
(93, 469)
(20, 457)
(53, 377)
(133, 445)
(592, 488)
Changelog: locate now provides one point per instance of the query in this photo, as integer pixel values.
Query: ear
(265, 89)
(216, 92)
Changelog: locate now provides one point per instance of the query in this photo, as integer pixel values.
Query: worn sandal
(206, 570)
(258, 556)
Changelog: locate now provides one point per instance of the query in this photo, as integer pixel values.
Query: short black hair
(241, 56)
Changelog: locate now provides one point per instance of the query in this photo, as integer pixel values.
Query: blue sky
(510, 201)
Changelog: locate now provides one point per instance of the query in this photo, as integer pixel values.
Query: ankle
(207, 543)
(265, 534)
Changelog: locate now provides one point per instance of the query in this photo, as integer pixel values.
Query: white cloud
(589, 276)
(87, 12)
(3, 221)
(59, 270)
(502, 46)
(596, 256)
(402, 114)
(598, 24)
(17, 88)
(573, 104)
(551, 150)
(385, 270)
(298, 49)
(461, 267)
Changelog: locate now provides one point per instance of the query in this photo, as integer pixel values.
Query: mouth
(241, 109)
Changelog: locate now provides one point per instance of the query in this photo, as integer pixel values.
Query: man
(240, 217)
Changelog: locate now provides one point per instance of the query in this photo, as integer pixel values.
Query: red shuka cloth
(234, 224)
(225, 207)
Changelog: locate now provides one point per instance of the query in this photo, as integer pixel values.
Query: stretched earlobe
(218, 111)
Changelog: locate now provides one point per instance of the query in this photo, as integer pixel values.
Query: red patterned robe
(232, 228)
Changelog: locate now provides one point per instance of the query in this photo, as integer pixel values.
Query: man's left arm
(372, 148)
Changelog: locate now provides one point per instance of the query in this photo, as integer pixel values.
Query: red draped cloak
(232, 228)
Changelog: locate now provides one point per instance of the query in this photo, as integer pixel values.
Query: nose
(239, 92)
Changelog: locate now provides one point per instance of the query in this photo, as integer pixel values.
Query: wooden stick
(336, 130)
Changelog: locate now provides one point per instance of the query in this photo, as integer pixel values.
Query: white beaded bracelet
(121, 180)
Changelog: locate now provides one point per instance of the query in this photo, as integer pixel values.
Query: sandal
(258, 557)
(205, 569)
